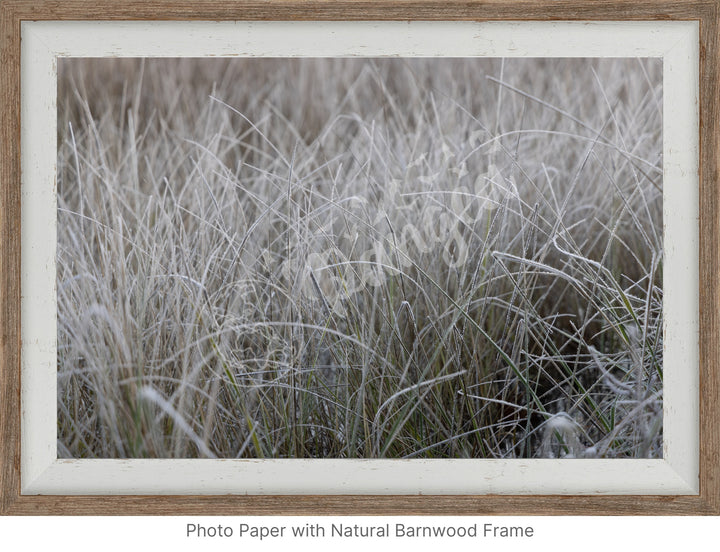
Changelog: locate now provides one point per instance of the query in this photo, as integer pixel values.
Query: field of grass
(360, 258)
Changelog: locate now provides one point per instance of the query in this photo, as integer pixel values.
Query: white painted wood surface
(675, 42)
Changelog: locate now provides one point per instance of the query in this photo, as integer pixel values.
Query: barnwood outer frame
(705, 12)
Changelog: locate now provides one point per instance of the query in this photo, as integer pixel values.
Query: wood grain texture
(710, 258)
(356, 10)
(707, 12)
(9, 257)
(361, 505)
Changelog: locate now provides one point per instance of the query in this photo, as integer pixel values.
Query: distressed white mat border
(675, 42)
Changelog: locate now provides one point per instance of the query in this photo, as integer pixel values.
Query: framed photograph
(359, 258)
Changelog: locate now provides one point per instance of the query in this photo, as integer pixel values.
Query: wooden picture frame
(14, 502)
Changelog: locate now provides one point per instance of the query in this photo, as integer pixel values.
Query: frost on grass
(351, 258)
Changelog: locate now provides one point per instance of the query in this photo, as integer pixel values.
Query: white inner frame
(676, 42)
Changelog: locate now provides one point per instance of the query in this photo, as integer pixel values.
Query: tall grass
(352, 258)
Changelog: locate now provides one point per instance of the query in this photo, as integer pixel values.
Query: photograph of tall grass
(359, 258)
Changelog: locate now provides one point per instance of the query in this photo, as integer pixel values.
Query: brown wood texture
(707, 12)
(710, 258)
(359, 10)
(9, 257)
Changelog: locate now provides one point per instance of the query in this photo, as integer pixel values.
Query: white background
(559, 534)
